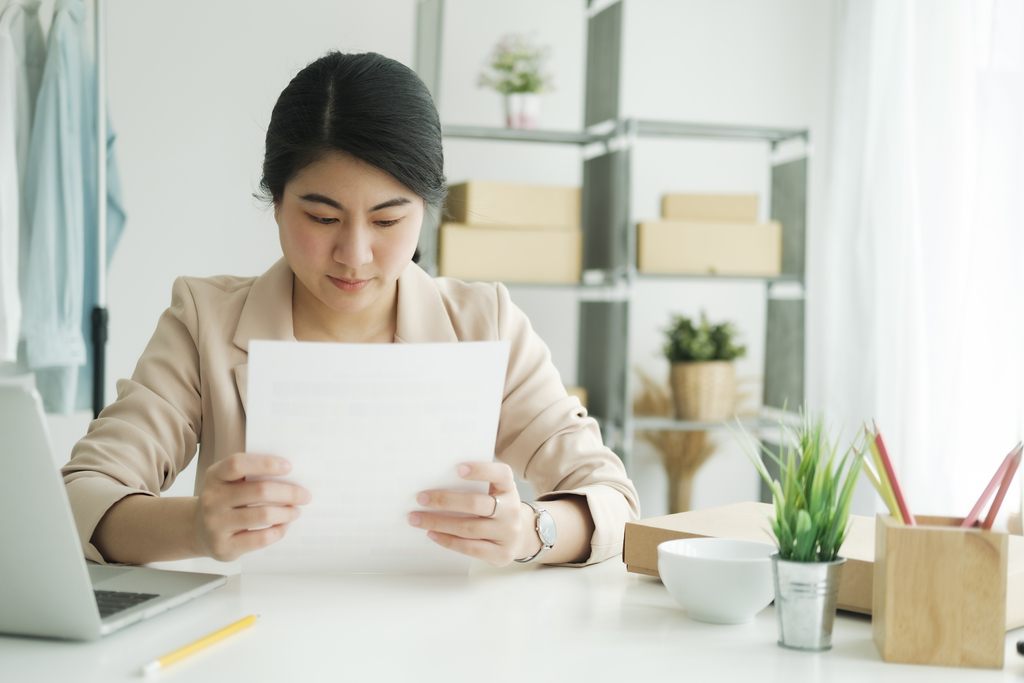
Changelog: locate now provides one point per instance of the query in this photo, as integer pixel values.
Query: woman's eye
(388, 223)
(321, 219)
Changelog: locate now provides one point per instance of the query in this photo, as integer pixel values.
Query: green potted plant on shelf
(811, 499)
(516, 71)
(702, 372)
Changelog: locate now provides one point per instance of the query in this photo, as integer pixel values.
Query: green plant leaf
(686, 341)
(813, 493)
(516, 66)
(806, 538)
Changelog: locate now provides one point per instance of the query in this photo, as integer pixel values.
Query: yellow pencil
(873, 478)
(887, 495)
(204, 642)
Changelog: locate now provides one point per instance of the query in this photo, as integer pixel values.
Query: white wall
(192, 85)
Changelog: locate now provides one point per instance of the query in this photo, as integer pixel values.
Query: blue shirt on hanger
(22, 56)
(59, 289)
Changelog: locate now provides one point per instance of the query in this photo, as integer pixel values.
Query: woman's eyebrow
(314, 197)
(397, 201)
(323, 199)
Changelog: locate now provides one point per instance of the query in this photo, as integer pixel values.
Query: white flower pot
(522, 110)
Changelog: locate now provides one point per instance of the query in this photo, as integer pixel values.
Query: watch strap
(536, 527)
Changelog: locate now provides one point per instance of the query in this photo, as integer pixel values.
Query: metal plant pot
(805, 602)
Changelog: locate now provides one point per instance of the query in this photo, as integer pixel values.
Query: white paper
(367, 427)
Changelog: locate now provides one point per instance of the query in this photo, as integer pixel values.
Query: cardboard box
(510, 254)
(940, 593)
(750, 521)
(708, 248)
(513, 205)
(731, 208)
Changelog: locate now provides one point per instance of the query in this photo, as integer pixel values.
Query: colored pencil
(897, 493)
(869, 472)
(1001, 479)
(1003, 487)
(881, 482)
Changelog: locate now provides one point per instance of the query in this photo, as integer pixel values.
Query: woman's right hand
(235, 516)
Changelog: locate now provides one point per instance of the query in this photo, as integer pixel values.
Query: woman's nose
(354, 246)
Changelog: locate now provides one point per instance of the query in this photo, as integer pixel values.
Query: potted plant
(702, 374)
(811, 498)
(516, 70)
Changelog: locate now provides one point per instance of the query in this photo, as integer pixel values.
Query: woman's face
(348, 230)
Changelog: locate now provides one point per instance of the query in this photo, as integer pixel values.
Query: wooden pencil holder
(939, 593)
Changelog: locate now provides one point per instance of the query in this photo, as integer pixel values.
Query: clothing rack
(98, 314)
(100, 317)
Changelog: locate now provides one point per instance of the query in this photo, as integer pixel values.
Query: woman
(353, 163)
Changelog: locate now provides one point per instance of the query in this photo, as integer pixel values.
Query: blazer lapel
(266, 314)
(241, 373)
(422, 315)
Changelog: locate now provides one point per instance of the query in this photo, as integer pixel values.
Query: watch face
(546, 528)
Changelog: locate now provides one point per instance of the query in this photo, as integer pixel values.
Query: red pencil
(897, 493)
(1003, 486)
(997, 479)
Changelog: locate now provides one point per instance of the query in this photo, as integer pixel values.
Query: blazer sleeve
(547, 438)
(141, 441)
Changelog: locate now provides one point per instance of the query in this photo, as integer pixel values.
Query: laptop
(46, 586)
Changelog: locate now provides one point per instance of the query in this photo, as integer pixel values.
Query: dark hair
(367, 105)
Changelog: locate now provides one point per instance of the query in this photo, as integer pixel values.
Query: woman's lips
(347, 285)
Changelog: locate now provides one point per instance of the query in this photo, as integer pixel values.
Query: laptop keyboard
(112, 602)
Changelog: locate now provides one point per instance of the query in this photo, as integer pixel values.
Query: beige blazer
(188, 391)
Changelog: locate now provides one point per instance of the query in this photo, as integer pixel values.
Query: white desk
(517, 624)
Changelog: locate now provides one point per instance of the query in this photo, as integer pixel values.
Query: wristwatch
(544, 524)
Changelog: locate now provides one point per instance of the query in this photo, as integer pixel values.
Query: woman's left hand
(493, 526)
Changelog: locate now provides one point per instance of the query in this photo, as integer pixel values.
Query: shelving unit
(667, 424)
(609, 232)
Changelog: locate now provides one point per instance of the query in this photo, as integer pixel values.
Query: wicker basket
(704, 391)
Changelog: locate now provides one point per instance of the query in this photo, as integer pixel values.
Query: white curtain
(916, 304)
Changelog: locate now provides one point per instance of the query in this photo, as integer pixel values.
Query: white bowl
(718, 580)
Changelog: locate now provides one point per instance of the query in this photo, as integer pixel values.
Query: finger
(479, 504)
(247, 541)
(497, 473)
(261, 516)
(266, 492)
(481, 550)
(241, 465)
(463, 527)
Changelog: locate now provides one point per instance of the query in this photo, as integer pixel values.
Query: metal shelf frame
(621, 128)
(667, 424)
(607, 143)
